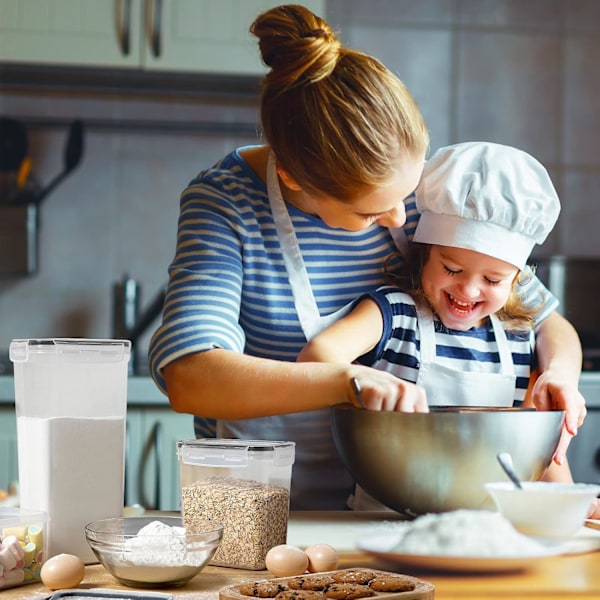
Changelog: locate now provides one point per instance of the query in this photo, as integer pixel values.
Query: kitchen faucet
(127, 322)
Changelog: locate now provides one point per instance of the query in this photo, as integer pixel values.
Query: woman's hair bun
(296, 44)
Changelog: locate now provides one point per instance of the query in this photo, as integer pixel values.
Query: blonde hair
(336, 119)
(518, 315)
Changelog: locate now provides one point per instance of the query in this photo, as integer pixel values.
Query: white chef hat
(486, 197)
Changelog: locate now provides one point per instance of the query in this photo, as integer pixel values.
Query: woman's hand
(559, 364)
(594, 512)
(550, 392)
(383, 391)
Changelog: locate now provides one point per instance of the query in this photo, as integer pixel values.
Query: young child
(459, 330)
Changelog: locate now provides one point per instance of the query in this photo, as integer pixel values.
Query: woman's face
(383, 204)
(464, 287)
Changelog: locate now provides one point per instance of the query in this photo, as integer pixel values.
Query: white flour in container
(462, 533)
(71, 468)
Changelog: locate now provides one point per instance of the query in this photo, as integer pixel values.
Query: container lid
(70, 350)
(219, 452)
(10, 516)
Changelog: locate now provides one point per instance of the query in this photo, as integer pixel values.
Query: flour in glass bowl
(160, 553)
(462, 533)
(156, 544)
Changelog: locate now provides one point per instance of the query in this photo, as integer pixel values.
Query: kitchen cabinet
(8, 446)
(209, 36)
(152, 468)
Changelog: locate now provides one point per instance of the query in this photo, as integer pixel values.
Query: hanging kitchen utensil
(15, 161)
(15, 165)
(13, 144)
(72, 157)
(19, 212)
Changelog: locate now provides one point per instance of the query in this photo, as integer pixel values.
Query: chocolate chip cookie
(391, 583)
(360, 576)
(311, 582)
(300, 595)
(262, 589)
(347, 591)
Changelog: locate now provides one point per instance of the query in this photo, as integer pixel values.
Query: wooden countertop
(557, 577)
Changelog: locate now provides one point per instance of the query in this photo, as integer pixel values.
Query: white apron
(456, 387)
(319, 479)
(304, 301)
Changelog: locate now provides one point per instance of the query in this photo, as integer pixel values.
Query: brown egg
(286, 561)
(322, 557)
(62, 571)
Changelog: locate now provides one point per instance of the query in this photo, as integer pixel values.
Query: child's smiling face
(464, 287)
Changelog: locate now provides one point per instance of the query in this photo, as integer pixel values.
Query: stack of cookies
(343, 584)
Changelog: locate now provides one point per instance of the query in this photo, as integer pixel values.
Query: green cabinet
(9, 468)
(152, 468)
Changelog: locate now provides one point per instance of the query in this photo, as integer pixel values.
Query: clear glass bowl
(153, 551)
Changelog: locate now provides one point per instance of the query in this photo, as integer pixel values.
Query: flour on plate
(463, 533)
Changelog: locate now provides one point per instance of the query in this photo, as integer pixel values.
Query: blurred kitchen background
(162, 92)
(514, 72)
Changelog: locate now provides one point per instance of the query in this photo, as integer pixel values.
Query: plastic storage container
(71, 403)
(243, 484)
(22, 546)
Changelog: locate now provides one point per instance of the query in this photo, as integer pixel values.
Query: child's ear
(287, 179)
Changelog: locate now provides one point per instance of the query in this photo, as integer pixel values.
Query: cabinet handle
(124, 26)
(158, 446)
(156, 34)
(126, 464)
(153, 445)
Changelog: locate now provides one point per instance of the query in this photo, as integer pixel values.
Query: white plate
(382, 545)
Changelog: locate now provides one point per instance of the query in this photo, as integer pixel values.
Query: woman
(274, 243)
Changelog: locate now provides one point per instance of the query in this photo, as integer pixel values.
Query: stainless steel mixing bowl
(417, 463)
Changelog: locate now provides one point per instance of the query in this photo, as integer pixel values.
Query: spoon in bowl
(505, 460)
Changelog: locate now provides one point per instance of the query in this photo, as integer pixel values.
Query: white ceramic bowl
(152, 551)
(544, 510)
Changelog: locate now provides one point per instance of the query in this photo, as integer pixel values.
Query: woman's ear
(287, 179)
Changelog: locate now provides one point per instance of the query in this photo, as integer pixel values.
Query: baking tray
(95, 594)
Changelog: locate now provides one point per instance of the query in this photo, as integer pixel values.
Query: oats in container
(243, 484)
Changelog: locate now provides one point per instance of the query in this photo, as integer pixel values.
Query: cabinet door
(152, 468)
(9, 468)
(209, 36)
(71, 32)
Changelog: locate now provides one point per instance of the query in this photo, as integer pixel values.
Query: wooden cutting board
(423, 590)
